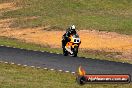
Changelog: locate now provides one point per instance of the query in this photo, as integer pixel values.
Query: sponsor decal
(83, 78)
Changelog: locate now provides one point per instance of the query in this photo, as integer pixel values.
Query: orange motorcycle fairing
(69, 44)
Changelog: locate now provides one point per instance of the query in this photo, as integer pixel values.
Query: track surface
(58, 61)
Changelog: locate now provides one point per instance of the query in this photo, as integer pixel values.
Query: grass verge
(82, 53)
(12, 76)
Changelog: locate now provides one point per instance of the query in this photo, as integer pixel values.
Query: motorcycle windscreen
(75, 36)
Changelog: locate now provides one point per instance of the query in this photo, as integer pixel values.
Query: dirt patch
(4, 6)
(5, 23)
(92, 40)
(108, 41)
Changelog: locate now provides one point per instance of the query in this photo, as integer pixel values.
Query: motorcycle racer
(71, 30)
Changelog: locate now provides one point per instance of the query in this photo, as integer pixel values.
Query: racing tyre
(65, 53)
(75, 51)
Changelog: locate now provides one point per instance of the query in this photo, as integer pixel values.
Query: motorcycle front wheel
(75, 51)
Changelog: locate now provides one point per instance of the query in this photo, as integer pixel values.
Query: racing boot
(69, 50)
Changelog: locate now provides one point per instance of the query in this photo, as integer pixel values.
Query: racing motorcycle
(71, 47)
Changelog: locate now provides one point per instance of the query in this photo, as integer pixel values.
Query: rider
(71, 30)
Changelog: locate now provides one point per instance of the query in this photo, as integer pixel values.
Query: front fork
(73, 46)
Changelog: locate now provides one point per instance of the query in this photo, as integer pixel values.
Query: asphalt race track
(60, 62)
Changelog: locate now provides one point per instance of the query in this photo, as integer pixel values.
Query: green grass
(112, 15)
(12, 76)
(5, 1)
(83, 53)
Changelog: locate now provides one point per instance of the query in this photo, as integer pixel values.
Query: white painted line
(12, 63)
(32, 66)
(60, 70)
(7, 46)
(57, 53)
(1, 45)
(67, 71)
(18, 64)
(34, 50)
(38, 67)
(52, 69)
(73, 72)
(6, 62)
(42, 51)
(45, 68)
(24, 65)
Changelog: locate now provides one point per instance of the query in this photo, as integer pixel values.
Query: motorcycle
(72, 46)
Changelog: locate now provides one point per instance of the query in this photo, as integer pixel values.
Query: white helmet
(73, 27)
